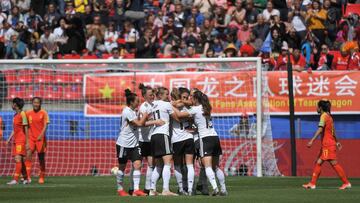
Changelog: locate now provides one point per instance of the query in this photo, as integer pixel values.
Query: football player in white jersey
(144, 139)
(127, 144)
(160, 142)
(210, 148)
(183, 144)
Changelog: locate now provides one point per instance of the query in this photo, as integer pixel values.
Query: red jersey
(328, 135)
(19, 122)
(354, 62)
(37, 122)
(281, 63)
(341, 62)
(301, 62)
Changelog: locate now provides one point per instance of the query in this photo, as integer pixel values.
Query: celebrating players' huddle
(167, 132)
(29, 135)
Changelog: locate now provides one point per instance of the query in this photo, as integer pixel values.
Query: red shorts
(19, 149)
(328, 153)
(40, 146)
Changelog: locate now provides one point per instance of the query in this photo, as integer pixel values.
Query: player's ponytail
(144, 89)
(204, 101)
(325, 105)
(130, 97)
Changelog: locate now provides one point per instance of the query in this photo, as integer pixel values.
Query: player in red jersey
(329, 143)
(38, 121)
(21, 138)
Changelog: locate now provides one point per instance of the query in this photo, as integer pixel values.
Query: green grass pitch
(241, 189)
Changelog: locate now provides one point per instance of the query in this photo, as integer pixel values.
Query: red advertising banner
(231, 93)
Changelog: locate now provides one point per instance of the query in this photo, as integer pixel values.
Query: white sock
(211, 176)
(190, 177)
(155, 177)
(149, 171)
(221, 177)
(179, 177)
(136, 179)
(166, 173)
(119, 180)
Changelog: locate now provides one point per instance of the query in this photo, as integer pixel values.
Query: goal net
(84, 99)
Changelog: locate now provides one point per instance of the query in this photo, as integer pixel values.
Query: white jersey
(204, 125)
(145, 131)
(179, 132)
(129, 134)
(162, 110)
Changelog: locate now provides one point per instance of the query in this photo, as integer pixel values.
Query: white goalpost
(84, 99)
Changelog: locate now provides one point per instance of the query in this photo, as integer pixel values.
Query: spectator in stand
(131, 35)
(354, 62)
(297, 19)
(276, 23)
(3, 16)
(341, 62)
(5, 6)
(315, 18)
(171, 32)
(34, 48)
(16, 48)
(191, 53)
(282, 7)
(146, 45)
(205, 7)
(292, 39)
(246, 50)
(115, 54)
(119, 14)
(251, 12)
(95, 41)
(7, 32)
(80, 5)
(322, 60)
(24, 5)
(270, 11)
(15, 16)
(219, 21)
(243, 34)
(179, 16)
(33, 21)
(255, 42)
(167, 7)
(282, 60)
(111, 37)
(199, 17)
(238, 14)
(230, 51)
(276, 43)
(52, 15)
(261, 28)
(297, 60)
(39, 6)
(48, 42)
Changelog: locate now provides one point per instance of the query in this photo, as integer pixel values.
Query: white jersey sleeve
(145, 131)
(162, 110)
(129, 134)
(204, 125)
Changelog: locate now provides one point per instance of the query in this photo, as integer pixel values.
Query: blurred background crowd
(316, 34)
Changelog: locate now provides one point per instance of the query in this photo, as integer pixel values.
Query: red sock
(28, 168)
(341, 173)
(42, 170)
(316, 174)
(18, 167)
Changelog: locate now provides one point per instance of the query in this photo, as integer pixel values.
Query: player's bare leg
(136, 179)
(18, 168)
(341, 173)
(220, 176)
(166, 174)
(315, 175)
(41, 157)
(202, 184)
(207, 162)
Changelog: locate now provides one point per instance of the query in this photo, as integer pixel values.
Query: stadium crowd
(316, 33)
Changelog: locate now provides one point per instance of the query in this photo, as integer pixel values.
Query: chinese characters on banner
(230, 93)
